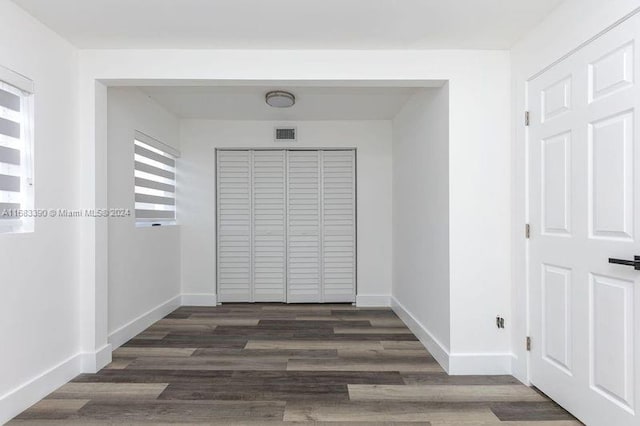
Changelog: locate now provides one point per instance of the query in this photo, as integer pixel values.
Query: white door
(268, 234)
(286, 223)
(234, 266)
(304, 234)
(321, 226)
(338, 226)
(584, 154)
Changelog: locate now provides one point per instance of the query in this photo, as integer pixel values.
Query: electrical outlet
(499, 322)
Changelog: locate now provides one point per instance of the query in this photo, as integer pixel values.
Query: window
(16, 149)
(155, 181)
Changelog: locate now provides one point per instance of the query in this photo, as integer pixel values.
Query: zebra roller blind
(286, 225)
(155, 181)
(16, 139)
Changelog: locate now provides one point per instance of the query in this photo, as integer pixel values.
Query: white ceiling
(291, 24)
(312, 103)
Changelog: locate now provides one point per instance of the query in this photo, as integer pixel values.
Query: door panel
(234, 226)
(611, 334)
(304, 235)
(556, 319)
(338, 226)
(611, 175)
(611, 72)
(584, 154)
(269, 237)
(556, 175)
(556, 99)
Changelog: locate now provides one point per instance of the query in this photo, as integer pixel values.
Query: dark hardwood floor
(273, 363)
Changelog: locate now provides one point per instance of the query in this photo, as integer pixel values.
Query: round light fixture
(280, 99)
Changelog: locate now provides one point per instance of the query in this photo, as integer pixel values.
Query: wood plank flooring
(286, 364)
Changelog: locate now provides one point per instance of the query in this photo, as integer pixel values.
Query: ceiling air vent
(285, 134)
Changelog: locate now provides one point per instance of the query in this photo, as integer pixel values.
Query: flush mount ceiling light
(280, 99)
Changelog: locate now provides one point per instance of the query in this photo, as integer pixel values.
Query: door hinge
(528, 343)
(527, 231)
(526, 118)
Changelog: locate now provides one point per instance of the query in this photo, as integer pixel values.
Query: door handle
(635, 262)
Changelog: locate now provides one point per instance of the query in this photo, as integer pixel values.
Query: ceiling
(291, 24)
(312, 103)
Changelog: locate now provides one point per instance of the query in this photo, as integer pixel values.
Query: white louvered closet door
(234, 226)
(269, 234)
(286, 226)
(338, 226)
(304, 236)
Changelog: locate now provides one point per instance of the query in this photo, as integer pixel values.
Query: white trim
(92, 362)
(118, 337)
(439, 351)
(24, 396)
(373, 300)
(149, 140)
(16, 80)
(199, 300)
(585, 43)
(480, 363)
(454, 363)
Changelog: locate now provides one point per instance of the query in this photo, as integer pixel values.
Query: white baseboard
(23, 397)
(519, 370)
(92, 362)
(488, 364)
(439, 352)
(199, 300)
(373, 300)
(456, 364)
(120, 336)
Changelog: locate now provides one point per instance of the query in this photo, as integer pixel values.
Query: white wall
(39, 286)
(572, 23)
(144, 263)
(196, 192)
(421, 281)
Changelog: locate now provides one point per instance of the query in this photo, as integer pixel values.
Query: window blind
(13, 151)
(155, 181)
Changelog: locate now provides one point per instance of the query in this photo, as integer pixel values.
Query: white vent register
(286, 226)
(286, 134)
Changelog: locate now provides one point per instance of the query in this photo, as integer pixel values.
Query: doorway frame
(100, 69)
